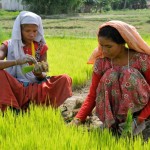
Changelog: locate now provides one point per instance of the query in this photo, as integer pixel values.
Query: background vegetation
(72, 6)
(71, 40)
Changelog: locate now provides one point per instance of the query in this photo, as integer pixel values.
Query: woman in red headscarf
(121, 77)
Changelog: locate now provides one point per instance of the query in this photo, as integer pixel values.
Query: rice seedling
(27, 69)
(44, 128)
(70, 57)
(127, 129)
(70, 46)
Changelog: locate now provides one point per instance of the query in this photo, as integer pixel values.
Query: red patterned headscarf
(129, 34)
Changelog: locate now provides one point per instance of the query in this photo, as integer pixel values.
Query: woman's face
(110, 49)
(29, 32)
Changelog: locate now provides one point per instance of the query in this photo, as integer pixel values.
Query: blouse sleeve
(100, 66)
(145, 63)
(44, 49)
(145, 113)
(89, 102)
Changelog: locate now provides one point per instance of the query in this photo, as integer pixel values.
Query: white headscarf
(15, 45)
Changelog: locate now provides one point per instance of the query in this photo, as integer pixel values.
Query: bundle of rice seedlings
(127, 131)
(27, 69)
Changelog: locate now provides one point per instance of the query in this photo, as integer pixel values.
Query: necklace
(128, 61)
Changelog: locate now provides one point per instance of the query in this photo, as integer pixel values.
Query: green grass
(43, 128)
(71, 41)
(70, 56)
(83, 25)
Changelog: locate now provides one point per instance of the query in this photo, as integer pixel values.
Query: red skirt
(53, 91)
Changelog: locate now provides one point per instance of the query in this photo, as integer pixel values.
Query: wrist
(16, 63)
(40, 76)
(37, 74)
(77, 121)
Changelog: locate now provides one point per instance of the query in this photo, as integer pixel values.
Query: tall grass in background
(44, 129)
(3, 36)
(70, 56)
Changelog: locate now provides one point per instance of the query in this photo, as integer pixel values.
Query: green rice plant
(44, 128)
(8, 14)
(127, 130)
(27, 69)
(70, 56)
(3, 36)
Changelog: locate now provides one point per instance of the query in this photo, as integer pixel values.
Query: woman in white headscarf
(27, 48)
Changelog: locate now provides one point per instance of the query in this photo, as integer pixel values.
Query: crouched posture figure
(121, 77)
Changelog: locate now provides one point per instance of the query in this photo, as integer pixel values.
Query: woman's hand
(76, 122)
(40, 67)
(26, 59)
(136, 127)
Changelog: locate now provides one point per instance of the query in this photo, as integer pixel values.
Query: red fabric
(145, 113)
(54, 91)
(142, 64)
(89, 102)
(29, 51)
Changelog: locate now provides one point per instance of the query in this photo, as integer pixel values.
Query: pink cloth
(129, 34)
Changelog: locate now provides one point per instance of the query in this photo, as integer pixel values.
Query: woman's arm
(41, 74)
(3, 53)
(89, 102)
(145, 113)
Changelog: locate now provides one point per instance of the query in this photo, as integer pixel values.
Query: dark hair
(111, 33)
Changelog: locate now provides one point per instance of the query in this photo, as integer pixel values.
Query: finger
(121, 124)
(37, 68)
(41, 67)
(31, 58)
(45, 66)
(121, 129)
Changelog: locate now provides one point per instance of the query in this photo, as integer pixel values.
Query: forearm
(86, 109)
(7, 63)
(89, 102)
